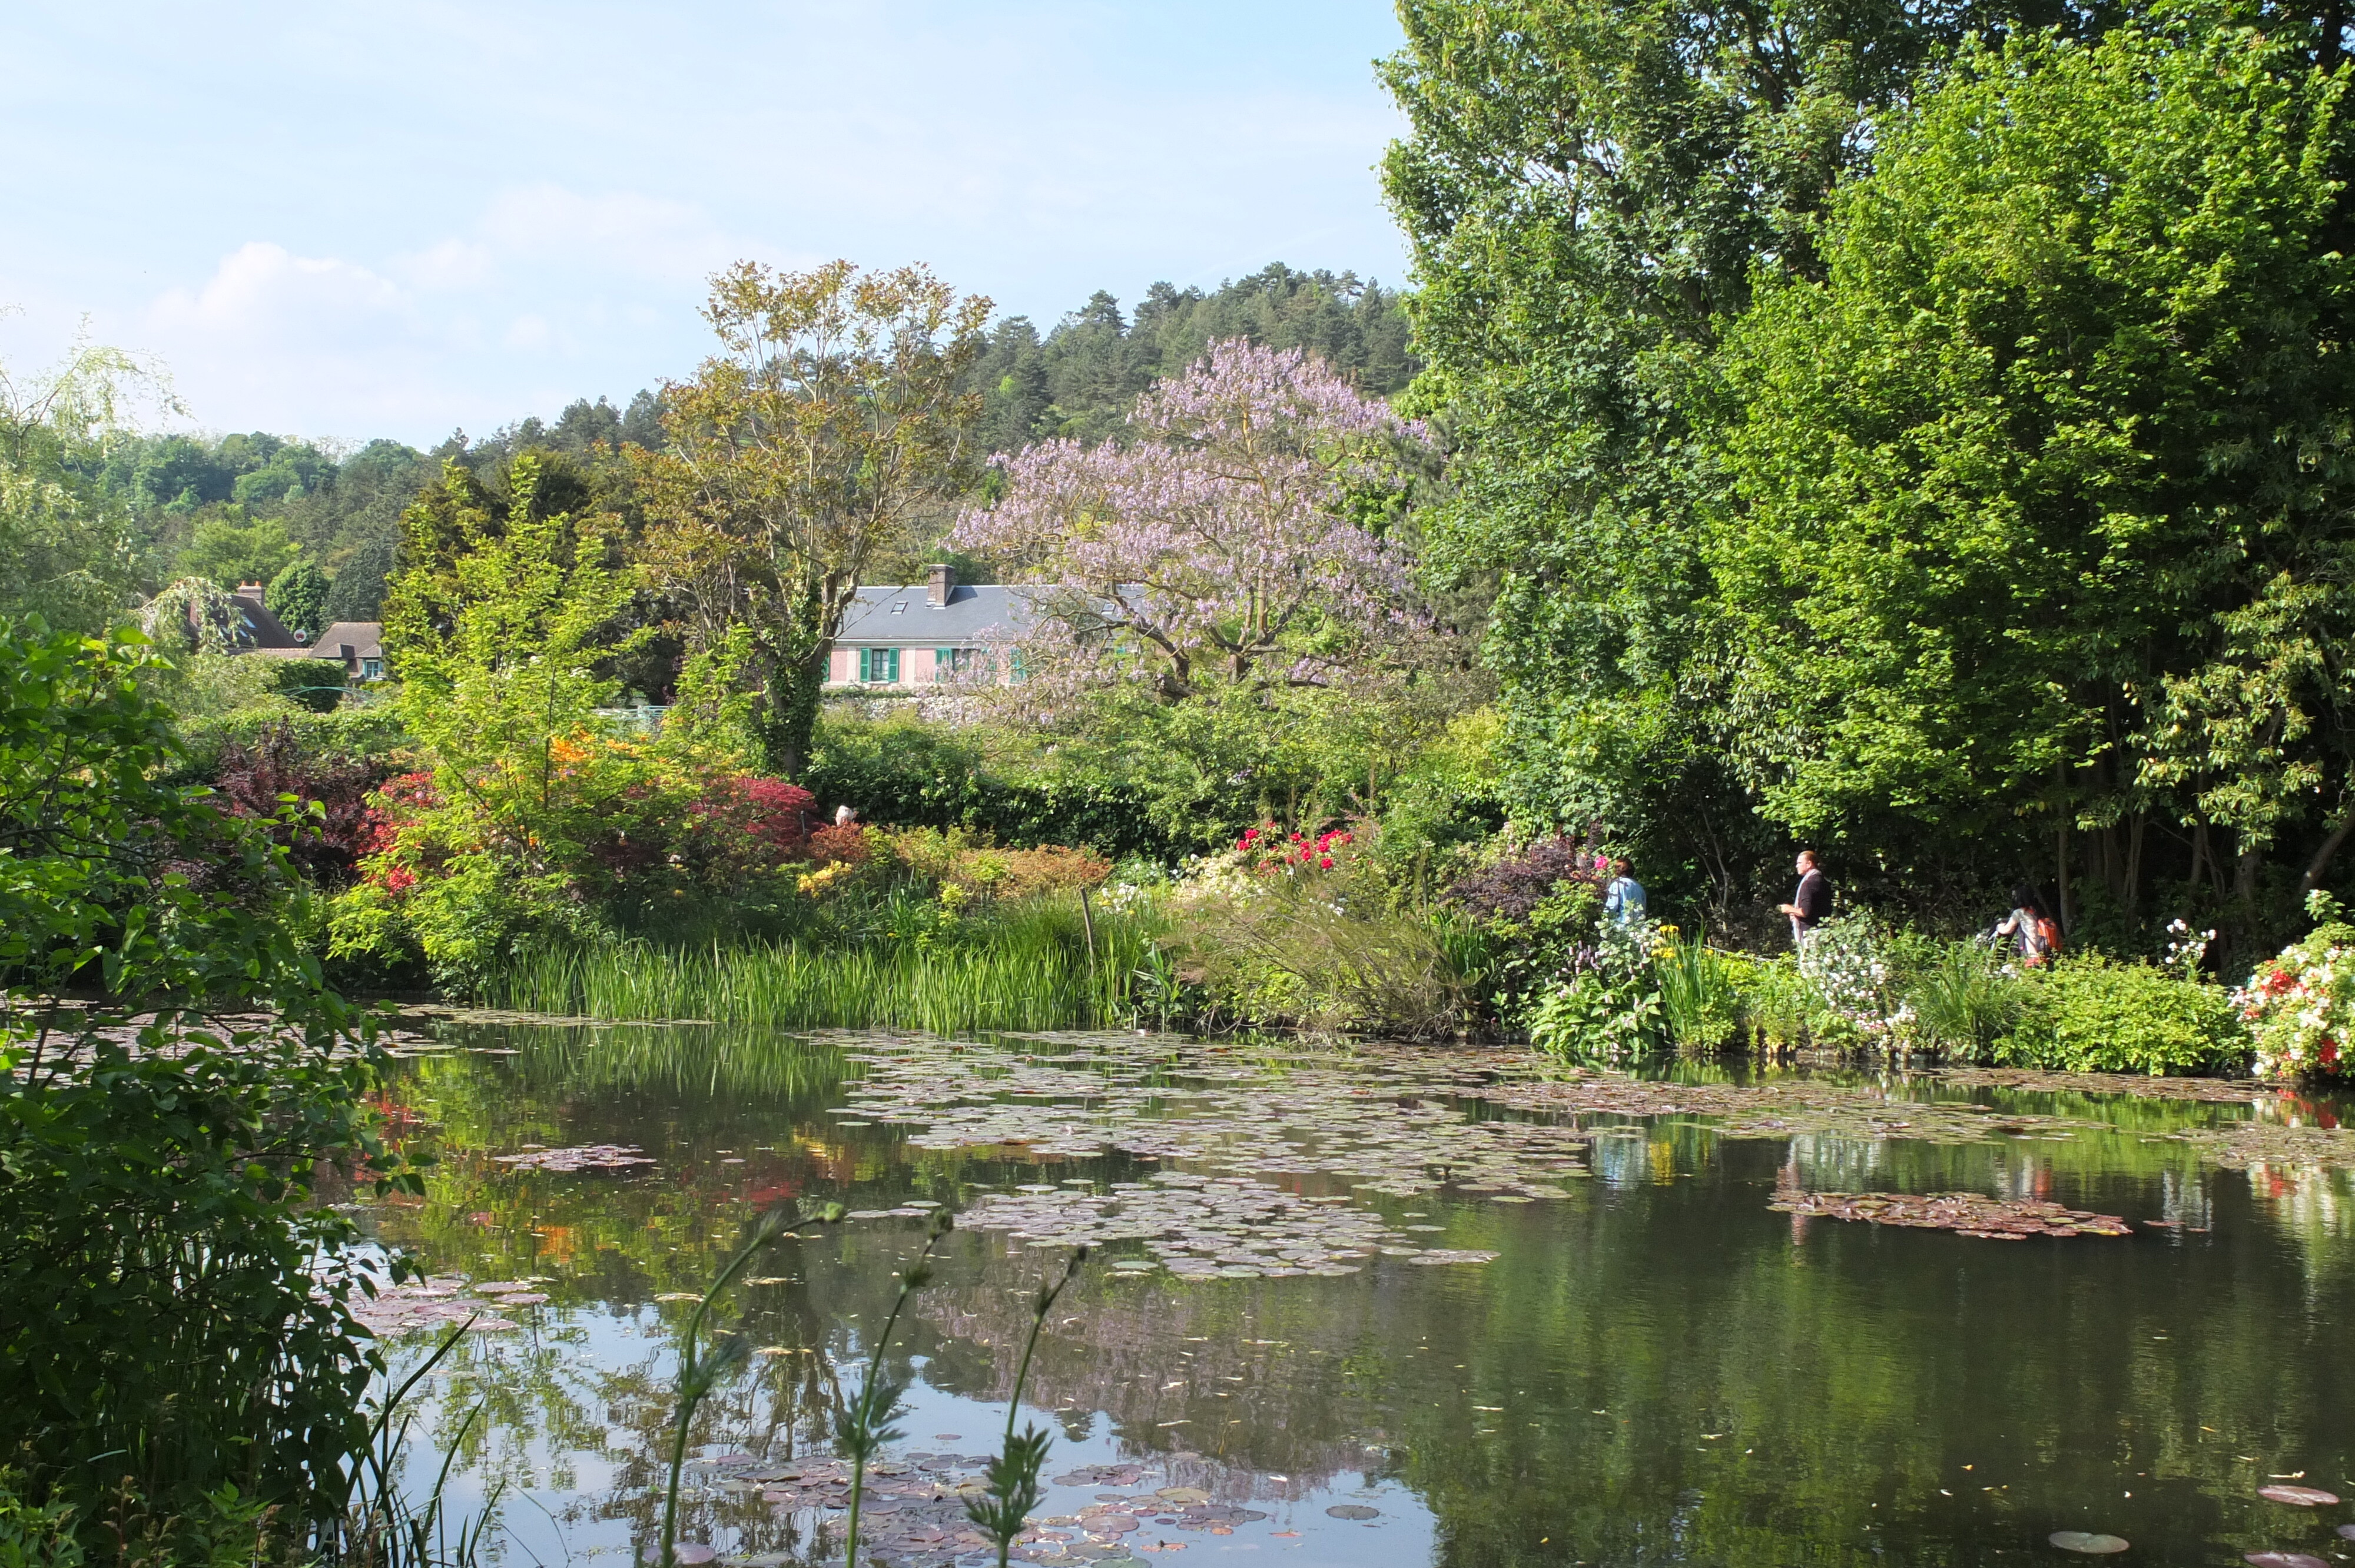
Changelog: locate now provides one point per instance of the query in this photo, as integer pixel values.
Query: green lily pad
(2091, 1543)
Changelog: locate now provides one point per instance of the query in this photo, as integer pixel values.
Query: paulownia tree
(1211, 602)
(832, 422)
(1218, 541)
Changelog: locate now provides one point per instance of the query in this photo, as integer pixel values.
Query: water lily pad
(2299, 1497)
(2090, 1542)
(1353, 1510)
(586, 1157)
(2283, 1559)
(1966, 1214)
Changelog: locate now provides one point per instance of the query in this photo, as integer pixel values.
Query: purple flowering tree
(1211, 544)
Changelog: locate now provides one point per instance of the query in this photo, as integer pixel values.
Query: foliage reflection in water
(1655, 1367)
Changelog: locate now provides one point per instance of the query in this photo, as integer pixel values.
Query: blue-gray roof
(975, 612)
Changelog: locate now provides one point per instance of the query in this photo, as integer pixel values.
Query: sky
(351, 221)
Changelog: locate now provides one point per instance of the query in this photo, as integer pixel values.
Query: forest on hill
(252, 507)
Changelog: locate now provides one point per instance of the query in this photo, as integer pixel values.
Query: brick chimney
(251, 590)
(943, 582)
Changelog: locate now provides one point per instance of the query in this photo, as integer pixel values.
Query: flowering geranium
(2300, 1005)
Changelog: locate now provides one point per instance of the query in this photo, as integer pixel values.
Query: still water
(1386, 1306)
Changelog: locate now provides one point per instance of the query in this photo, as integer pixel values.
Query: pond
(1382, 1306)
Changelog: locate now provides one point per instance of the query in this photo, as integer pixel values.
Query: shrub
(1538, 907)
(1853, 981)
(1278, 939)
(251, 776)
(1607, 1008)
(171, 1281)
(2089, 1014)
(912, 773)
(2299, 1007)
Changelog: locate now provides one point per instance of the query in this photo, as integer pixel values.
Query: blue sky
(357, 219)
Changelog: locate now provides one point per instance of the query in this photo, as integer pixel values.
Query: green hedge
(920, 775)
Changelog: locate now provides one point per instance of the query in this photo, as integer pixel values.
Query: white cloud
(262, 289)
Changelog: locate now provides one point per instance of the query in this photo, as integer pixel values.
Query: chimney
(251, 590)
(943, 582)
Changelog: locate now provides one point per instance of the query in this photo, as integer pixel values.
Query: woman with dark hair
(2038, 933)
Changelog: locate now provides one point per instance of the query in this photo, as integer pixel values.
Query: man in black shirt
(1811, 902)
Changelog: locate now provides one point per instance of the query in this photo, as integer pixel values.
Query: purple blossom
(1212, 540)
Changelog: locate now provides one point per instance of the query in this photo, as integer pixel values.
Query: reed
(1034, 965)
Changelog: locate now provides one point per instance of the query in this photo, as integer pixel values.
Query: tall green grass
(1028, 967)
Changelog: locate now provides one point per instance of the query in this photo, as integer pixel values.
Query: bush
(327, 841)
(1538, 906)
(1279, 937)
(2299, 1006)
(1607, 1008)
(2089, 1014)
(171, 1282)
(910, 774)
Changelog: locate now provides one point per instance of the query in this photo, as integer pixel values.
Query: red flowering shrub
(1267, 849)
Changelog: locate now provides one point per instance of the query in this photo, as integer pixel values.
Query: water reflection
(1655, 1369)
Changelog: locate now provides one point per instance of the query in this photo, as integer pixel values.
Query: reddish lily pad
(1966, 1214)
(2283, 1559)
(2091, 1543)
(2299, 1497)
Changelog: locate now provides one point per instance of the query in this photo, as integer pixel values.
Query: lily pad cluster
(584, 1157)
(440, 1304)
(1964, 1214)
(1201, 1227)
(912, 1510)
(1782, 1108)
(1304, 1117)
(2140, 1087)
(2238, 1145)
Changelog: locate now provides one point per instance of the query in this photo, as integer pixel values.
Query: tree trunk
(2134, 826)
(2245, 876)
(786, 721)
(2321, 865)
(2068, 915)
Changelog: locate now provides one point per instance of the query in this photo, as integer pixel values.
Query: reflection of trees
(1855, 1367)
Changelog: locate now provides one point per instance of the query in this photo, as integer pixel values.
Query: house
(257, 630)
(929, 633)
(356, 645)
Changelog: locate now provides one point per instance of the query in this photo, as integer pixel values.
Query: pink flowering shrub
(2299, 1006)
(1217, 544)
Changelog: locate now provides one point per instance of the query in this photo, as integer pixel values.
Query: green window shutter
(891, 657)
(943, 664)
(862, 664)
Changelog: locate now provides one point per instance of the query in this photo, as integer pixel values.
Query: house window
(878, 665)
(371, 669)
(950, 662)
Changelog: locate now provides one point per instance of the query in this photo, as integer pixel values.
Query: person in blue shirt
(1622, 900)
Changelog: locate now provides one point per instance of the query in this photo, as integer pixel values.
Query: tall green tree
(69, 552)
(2042, 500)
(834, 422)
